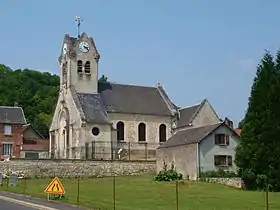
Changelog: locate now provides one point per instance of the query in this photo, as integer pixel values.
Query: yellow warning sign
(55, 187)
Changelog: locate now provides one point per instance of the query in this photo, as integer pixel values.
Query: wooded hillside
(36, 92)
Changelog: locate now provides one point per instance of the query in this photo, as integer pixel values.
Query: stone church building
(102, 120)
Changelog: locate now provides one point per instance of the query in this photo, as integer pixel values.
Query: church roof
(190, 136)
(187, 114)
(93, 108)
(12, 115)
(119, 98)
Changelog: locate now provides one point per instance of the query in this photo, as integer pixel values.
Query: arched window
(120, 131)
(87, 67)
(80, 66)
(141, 132)
(162, 133)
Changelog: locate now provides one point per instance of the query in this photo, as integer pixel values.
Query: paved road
(11, 201)
(5, 205)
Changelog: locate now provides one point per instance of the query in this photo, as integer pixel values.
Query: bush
(218, 174)
(168, 175)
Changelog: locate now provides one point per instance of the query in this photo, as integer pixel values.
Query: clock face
(84, 47)
(64, 48)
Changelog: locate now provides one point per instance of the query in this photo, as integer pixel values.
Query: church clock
(84, 47)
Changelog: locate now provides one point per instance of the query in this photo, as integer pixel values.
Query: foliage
(218, 174)
(168, 175)
(36, 92)
(258, 154)
(240, 124)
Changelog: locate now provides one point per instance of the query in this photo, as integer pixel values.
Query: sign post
(55, 187)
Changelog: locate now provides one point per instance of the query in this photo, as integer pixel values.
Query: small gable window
(162, 133)
(221, 139)
(80, 66)
(141, 132)
(87, 67)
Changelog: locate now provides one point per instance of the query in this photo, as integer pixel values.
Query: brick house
(12, 120)
(19, 139)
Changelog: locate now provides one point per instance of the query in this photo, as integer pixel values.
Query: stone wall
(233, 182)
(76, 168)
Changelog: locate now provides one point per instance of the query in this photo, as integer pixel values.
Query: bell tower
(79, 63)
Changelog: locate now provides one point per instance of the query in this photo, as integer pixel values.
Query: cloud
(246, 64)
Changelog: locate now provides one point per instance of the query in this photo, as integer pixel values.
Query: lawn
(142, 193)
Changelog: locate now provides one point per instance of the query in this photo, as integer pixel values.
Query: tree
(258, 154)
(36, 92)
(240, 124)
(103, 79)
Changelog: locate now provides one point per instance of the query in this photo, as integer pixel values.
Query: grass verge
(142, 193)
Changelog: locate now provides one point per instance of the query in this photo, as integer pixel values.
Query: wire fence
(110, 150)
(140, 192)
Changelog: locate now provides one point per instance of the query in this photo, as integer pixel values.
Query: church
(98, 119)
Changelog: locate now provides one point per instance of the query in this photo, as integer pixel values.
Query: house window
(141, 132)
(7, 149)
(120, 131)
(80, 66)
(87, 67)
(223, 160)
(221, 139)
(162, 133)
(7, 130)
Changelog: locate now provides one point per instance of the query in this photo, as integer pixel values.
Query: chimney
(16, 104)
(229, 123)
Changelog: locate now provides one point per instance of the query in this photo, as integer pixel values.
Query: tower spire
(78, 20)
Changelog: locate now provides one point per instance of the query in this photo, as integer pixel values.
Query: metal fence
(110, 150)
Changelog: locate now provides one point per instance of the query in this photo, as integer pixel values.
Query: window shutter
(227, 139)
(216, 139)
(229, 160)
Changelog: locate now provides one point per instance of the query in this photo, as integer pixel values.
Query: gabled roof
(191, 135)
(25, 127)
(12, 115)
(93, 108)
(188, 114)
(118, 98)
(132, 99)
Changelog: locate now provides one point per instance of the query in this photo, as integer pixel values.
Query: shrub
(218, 174)
(168, 175)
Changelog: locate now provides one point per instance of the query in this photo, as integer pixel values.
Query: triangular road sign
(55, 187)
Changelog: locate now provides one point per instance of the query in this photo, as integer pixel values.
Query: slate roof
(119, 98)
(93, 108)
(12, 115)
(190, 136)
(187, 114)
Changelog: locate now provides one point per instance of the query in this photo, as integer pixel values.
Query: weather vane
(78, 20)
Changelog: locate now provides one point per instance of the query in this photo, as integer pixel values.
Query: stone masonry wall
(71, 169)
(233, 182)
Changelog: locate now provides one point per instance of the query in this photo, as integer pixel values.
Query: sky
(196, 49)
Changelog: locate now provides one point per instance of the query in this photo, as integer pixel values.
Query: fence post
(177, 196)
(266, 197)
(92, 150)
(146, 151)
(86, 145)
(114, 192)
(78, 191)
(129, 150)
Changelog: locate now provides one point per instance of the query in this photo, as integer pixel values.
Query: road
(9, 206)
(11, 201)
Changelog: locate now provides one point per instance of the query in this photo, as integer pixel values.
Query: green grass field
(141, 192)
